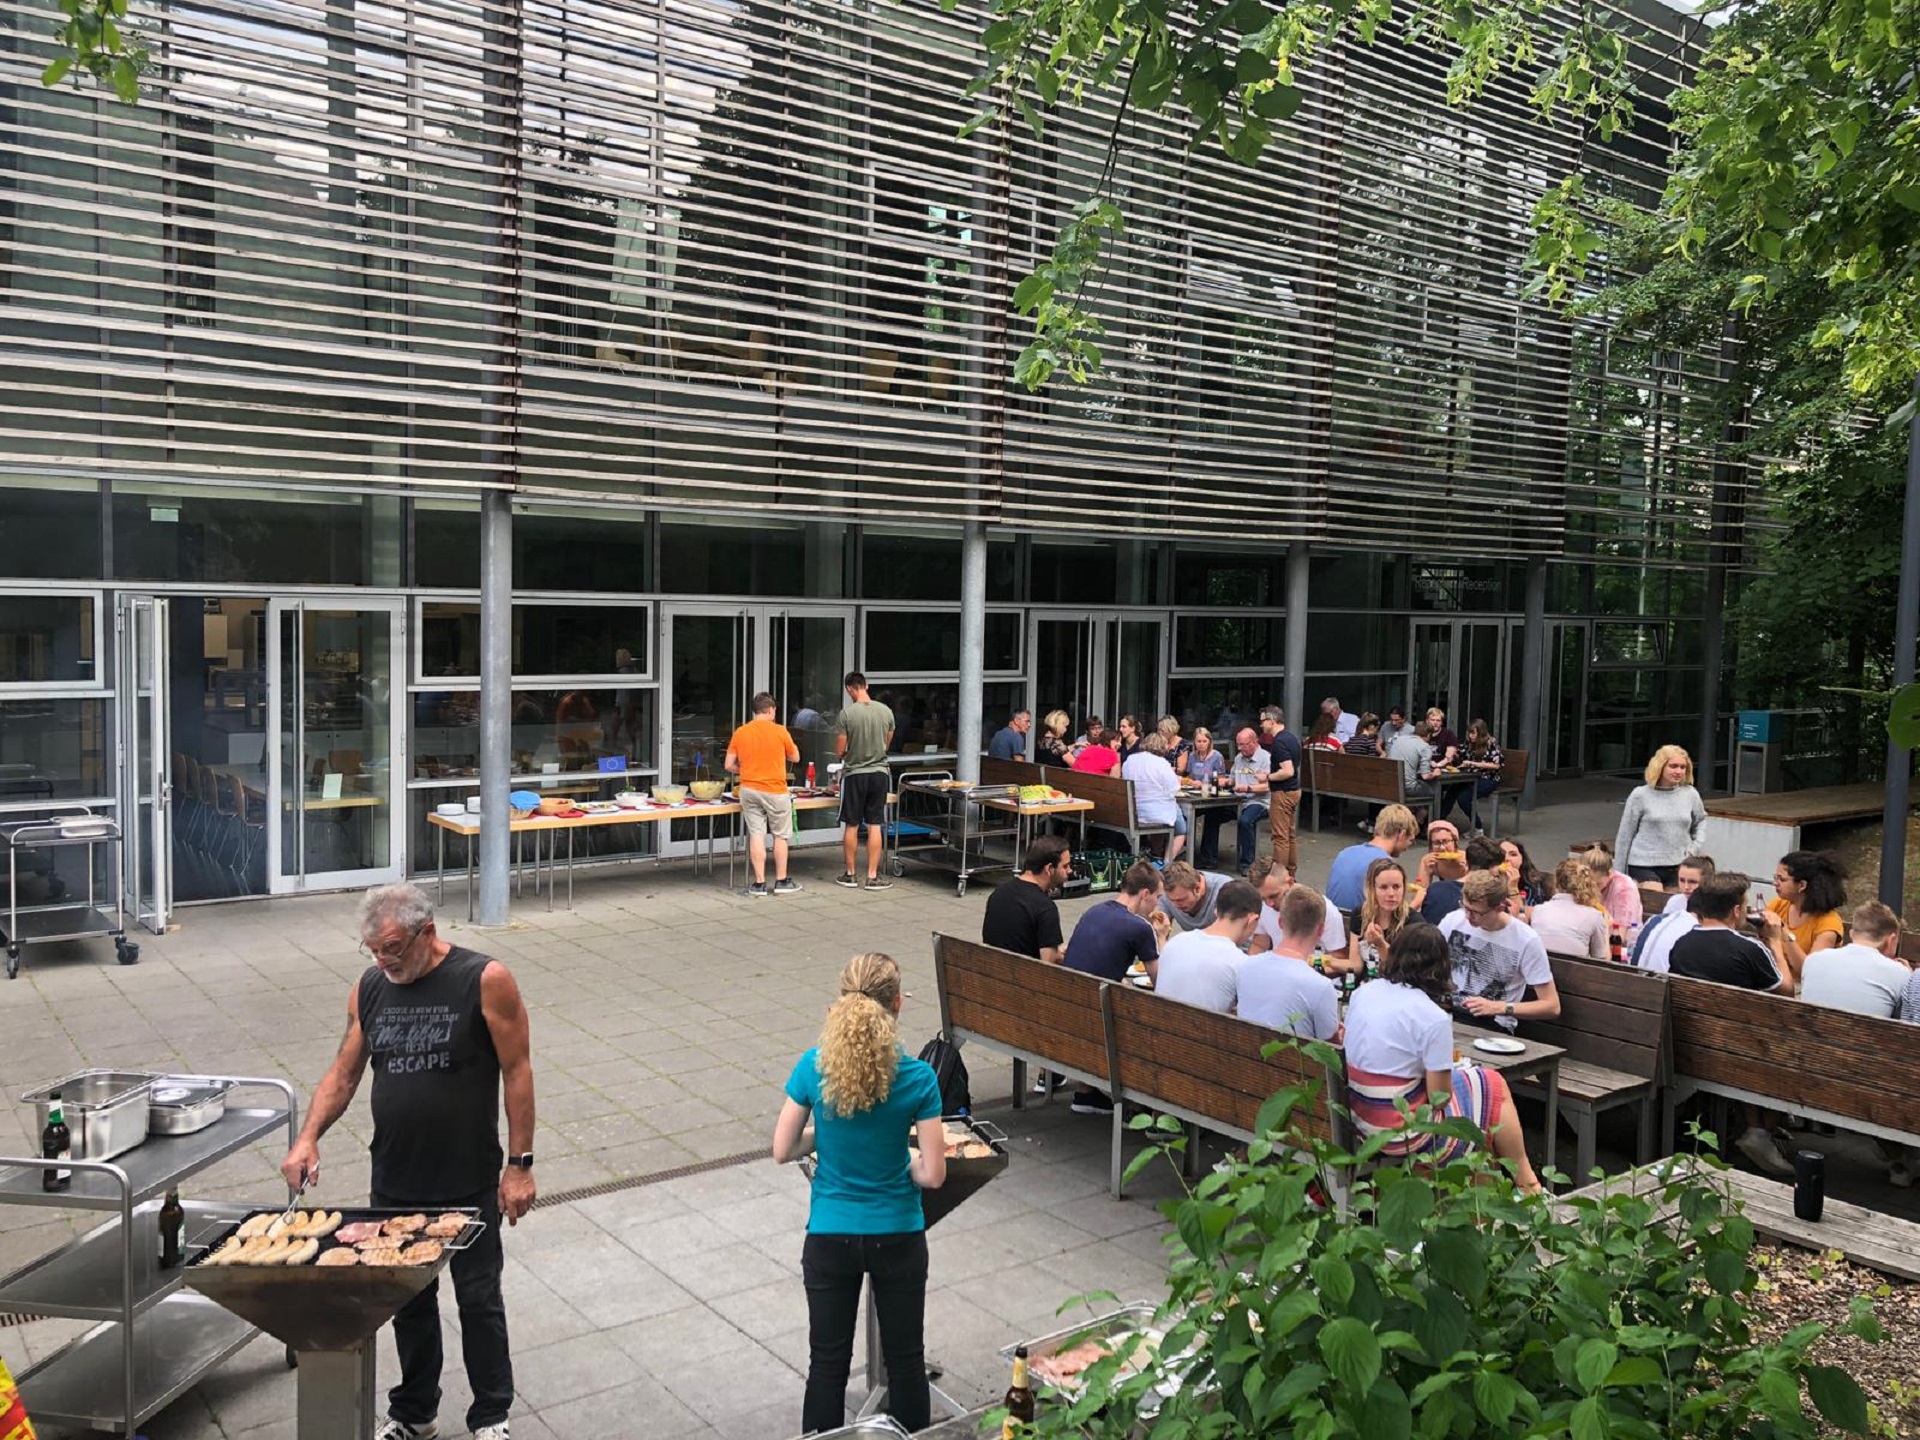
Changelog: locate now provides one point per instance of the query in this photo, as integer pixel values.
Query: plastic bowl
(669, 794)
(708, 789)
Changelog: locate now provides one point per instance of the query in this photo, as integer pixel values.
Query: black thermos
(1809, 1184)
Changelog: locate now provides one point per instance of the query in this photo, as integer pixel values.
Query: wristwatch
(525, 1162)
(1509, 1012)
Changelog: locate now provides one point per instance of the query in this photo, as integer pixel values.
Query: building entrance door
(719, 656)
(1105, 665)
(328, 818)
(1462, 666)
(143, 751)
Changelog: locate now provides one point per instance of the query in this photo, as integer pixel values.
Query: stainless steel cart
(949, 812)
(61, 918)
(153, 1342)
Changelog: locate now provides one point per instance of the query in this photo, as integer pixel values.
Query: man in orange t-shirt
(759, 754)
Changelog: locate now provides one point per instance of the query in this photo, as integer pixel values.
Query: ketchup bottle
(809, 775)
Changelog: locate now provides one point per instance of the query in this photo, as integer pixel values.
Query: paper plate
(1500, 1045)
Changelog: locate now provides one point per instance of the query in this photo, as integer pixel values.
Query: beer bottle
(56, 1143)
(1020, 1399)
(173, 1218)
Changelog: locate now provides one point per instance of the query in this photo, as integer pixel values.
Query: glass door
(1431, 668)
(1461, 666)
(1136, 669)
(719, 657)
(1064, 657)
(328, 817)
(145, 758)
(1562, 726)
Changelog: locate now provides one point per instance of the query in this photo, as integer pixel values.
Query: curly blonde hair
(860, 1043)
(1576, 878)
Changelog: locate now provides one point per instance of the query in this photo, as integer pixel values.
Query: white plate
(1500, 1045)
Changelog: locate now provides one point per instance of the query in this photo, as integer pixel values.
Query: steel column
(1533, 668)
(973, 644)
(1294, 683)
(496, 704)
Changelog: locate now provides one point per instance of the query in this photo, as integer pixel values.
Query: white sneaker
(392, 1429)
(1757, 1145)
(1899, 1174)
(491, 1432)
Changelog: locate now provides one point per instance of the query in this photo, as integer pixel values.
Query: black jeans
(833, 1267)
(483, 1327)
(1668, 875)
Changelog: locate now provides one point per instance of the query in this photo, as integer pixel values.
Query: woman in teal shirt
(865, 1094)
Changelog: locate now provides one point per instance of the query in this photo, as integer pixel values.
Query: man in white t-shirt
(1867, 976)
(1654, 949)
(1202, 967)
(1496, 958)
(1280, 988)
(1273, 882)
(1691, 872)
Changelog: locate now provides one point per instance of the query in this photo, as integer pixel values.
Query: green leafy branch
(92, 43)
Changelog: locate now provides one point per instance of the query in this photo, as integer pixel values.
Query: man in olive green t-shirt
(861, 737)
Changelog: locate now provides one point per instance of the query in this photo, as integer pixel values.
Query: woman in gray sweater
(1665, 820)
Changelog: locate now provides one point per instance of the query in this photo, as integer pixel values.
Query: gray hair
(402, 904)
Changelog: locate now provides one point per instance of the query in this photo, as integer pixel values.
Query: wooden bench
(1613, 1025)
(1037, 1013)
(1010, 772)
(1208, 1069)
(1513, 784)
(1856, 1072)
(1372, 778)
(1113, 805)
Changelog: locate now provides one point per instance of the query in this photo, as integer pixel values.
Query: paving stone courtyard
(667, 1013)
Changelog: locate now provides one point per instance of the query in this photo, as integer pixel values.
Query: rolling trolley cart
(101, 910)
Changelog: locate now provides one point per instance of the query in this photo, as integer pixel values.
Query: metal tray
(105, 1110)
(185, 1104)
(1131, 1319)
(872, 1425)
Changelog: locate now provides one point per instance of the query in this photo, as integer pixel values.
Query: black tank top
(436, 1082)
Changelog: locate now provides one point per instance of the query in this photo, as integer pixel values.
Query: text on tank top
(436, 1082)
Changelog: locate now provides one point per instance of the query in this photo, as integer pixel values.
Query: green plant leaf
(1403, 1207)
(1589, 1420)
(57, 71)
(1301, 1381)
(1352, 1353)
(1635, 1370)
(1726, 1271)
(1838, 1398)
(1458, 1259)
(1593, 1362)
(1386, 1414)
(1334, 1278)
(1903, 717)
(1441, 1325)
(1780, 1393)
(1496, 1395)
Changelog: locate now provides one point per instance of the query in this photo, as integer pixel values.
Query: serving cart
(153, 1341)
(101, 910)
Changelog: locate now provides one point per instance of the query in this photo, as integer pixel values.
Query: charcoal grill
(327, 1315)
(965, 1179)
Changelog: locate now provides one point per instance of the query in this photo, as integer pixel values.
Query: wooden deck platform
(1819, 806)
(1867, 1237)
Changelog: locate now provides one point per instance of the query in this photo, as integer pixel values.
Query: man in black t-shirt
(1717, 951)
(1021, 915)
(1288, 764)
(1720, 952)
(444, 1031)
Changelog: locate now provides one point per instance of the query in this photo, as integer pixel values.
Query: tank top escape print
(436, 1082)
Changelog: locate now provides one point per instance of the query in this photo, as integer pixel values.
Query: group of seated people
(1465, 937)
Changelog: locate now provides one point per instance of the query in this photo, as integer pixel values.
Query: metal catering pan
(105, 1110)
(184, 1104)
(870, 1426)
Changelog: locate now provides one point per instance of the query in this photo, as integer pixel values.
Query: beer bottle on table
(56, 1143)
(1020, 1398)
(173, 1218)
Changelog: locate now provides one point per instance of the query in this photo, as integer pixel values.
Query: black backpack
(951, 1071)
